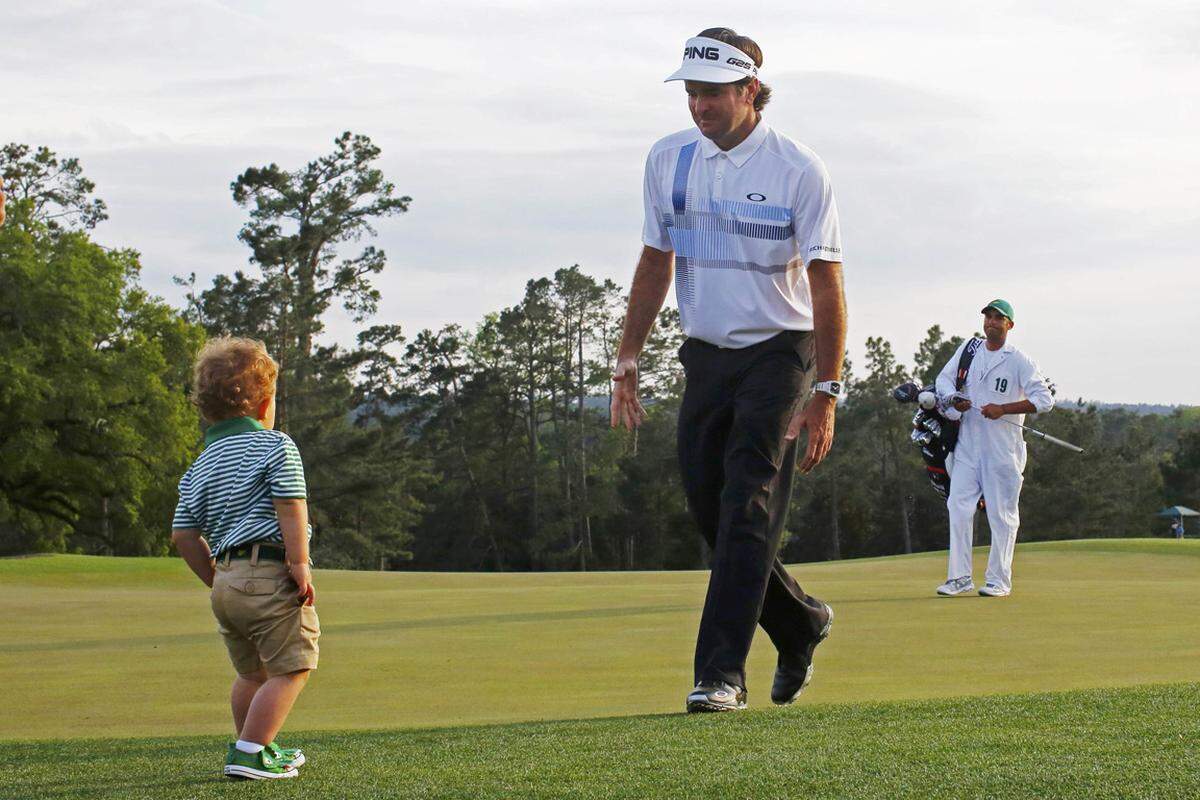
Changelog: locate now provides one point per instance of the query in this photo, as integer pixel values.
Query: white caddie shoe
(956, 586)
(992, 590)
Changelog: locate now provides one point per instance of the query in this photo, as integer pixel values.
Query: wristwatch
(831, 388)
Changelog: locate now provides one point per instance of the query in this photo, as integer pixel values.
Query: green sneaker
(287, 755)
(256, 766)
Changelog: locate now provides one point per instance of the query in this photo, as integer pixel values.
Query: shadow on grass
(363, 627)
(352, 629)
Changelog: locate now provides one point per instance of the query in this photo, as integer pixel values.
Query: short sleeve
(815, 216)
(184, 518)
(654, 231)
(285, 472)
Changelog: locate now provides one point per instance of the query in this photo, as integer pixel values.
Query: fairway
(126, 647)
(1116, 743)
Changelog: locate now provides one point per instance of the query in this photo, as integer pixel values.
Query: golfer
(990, 456)
(746, 217)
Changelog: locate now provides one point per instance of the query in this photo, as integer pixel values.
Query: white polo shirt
(743, 225)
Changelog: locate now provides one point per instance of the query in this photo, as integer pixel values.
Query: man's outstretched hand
(626, 409)
(816, 418)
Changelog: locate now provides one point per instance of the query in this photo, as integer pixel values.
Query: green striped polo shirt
(226, 493)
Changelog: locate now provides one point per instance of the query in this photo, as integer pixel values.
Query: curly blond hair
(232, 376)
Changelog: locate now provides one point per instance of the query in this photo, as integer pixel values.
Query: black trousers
(737, 473)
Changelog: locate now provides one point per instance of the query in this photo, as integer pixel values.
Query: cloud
(1040, 152)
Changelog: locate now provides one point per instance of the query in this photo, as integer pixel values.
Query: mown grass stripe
(1123, 743)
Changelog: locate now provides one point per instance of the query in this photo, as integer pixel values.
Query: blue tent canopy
(1178, 511)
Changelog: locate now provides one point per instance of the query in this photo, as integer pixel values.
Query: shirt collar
(740, 154)
(231, 427)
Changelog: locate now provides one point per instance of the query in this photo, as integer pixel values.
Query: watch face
(836, 387)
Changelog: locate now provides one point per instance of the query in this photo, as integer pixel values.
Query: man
(747, 219)
(1, 201)
(989, 458)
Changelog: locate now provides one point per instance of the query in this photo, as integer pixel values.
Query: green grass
(1118, 743)
(127, 647)
(424, 675)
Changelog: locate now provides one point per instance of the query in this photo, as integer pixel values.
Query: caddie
(989, 459)
(746, 219)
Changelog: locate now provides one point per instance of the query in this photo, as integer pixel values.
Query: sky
(1043, 153)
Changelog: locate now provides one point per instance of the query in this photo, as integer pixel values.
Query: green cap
(1003, 306)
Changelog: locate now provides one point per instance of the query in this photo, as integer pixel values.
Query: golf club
(1039, 434)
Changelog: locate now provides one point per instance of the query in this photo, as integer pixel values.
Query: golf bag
(932, 432)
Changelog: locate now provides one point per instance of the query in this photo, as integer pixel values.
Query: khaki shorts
(260, 620)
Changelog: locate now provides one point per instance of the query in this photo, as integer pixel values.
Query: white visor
(711, 61)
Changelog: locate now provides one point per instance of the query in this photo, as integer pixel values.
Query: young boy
(242, 526)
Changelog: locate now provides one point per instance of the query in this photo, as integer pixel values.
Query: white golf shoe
(992, 590)
(956, 586)
(716, 696)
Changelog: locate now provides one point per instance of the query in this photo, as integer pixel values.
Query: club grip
(1061, 443)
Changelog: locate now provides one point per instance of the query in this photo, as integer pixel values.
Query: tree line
(468, 448)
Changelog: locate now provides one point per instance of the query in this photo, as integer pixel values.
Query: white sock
(248, 747)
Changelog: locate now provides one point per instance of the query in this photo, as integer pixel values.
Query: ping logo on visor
(712, 61)
(707, 53)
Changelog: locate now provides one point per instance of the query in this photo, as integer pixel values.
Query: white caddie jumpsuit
(989, 458)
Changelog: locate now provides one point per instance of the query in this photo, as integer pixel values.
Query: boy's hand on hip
(816, 418)
(302, 575)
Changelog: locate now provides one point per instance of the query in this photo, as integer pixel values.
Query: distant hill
(1136, 408)
(600, 403)
(1161, 409)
